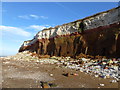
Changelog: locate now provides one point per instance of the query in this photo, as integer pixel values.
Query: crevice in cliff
(51, 47)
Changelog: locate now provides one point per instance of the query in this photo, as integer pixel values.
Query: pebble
(47, 85)
(75, 74)
(96, 76)
(102, 85)
(51, 75)
(6, 62)
(113, 81)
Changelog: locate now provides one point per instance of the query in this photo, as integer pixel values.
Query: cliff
(98, 34)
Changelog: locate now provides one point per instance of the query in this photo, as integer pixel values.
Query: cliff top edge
(80, 19)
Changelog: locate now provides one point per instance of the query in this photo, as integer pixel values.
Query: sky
(22, 20)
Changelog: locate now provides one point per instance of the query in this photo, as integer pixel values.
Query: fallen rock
(102, 85)
(44, 84)
(113, 81)
(67, 74)
(51, 75)
(47, 84)
(75, 74)
(52, 85)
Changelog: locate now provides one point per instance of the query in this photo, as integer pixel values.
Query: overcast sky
(22, 20)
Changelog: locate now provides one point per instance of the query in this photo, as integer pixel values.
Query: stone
(75, 74)
(52, 85)
(6, 62)
(47, 84)
(108, 76)
(96, 75)
(102, 84)
(113, 81)
(44, 84)
(51, 75)
(67, 74)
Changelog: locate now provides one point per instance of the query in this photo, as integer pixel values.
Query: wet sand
(23, 74)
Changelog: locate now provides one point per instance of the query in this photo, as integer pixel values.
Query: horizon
(21, 21)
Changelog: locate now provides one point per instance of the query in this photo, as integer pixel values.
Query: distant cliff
(98, 34)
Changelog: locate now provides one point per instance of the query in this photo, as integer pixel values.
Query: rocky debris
(103, 68)
(23, 56)
(6, 62)
(70, 74)
(52, 85)
(102, 85)
(44, 56)
(32, 57)
(75, 74)
(44, 85)
(67, 74)
(81, 55)
(51, 75)
(113, 81)
(47, 84)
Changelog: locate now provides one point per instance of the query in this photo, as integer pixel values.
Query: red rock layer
(103, 41)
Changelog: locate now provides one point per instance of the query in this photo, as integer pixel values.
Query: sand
(23, 74)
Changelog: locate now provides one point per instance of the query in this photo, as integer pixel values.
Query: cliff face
(95, 35)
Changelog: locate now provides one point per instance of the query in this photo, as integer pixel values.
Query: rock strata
(94, 35)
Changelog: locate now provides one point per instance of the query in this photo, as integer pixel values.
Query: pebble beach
(24, 70)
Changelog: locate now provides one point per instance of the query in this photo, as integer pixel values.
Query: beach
(29, 74)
